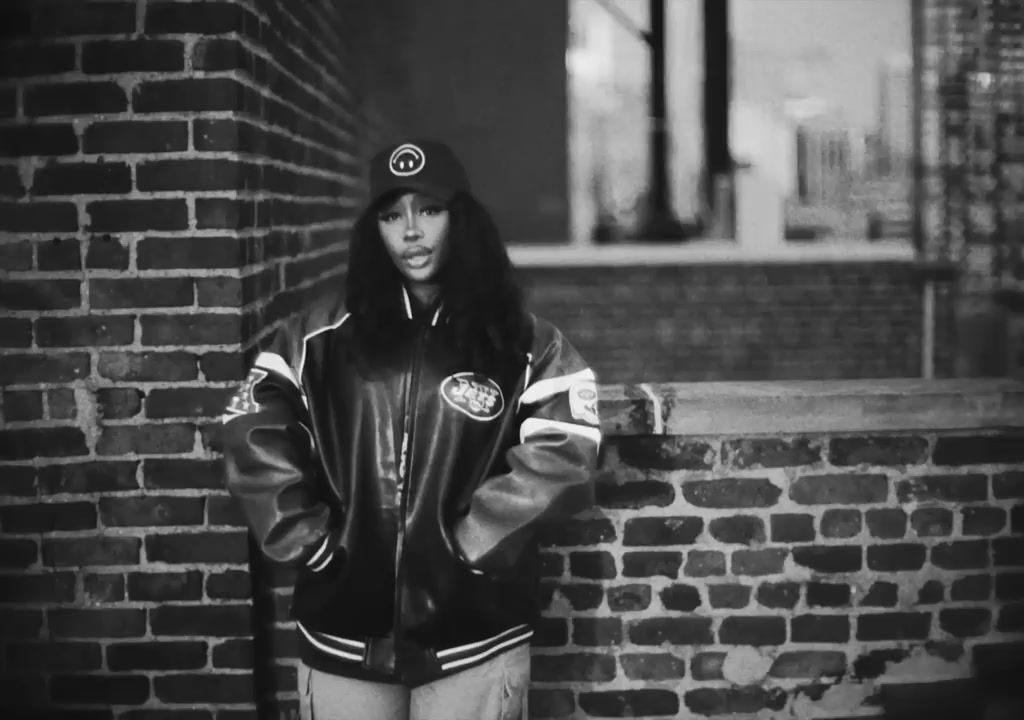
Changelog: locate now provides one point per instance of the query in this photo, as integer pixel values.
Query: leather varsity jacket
(408, 499)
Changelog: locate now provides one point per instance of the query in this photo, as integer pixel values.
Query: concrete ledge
(826, 406)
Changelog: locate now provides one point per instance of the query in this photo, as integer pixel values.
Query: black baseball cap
(426, 166)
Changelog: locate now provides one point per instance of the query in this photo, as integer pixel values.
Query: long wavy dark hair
(484, 316)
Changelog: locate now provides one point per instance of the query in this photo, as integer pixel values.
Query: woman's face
(415, 232)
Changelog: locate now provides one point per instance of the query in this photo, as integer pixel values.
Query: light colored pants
(495, 690)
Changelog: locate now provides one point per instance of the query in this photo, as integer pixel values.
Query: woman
(402, 448)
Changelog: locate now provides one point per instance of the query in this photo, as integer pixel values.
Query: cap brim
(444, 194)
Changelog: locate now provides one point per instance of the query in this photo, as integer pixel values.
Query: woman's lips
(416, 257)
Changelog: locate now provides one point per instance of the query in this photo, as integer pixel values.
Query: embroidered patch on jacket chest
(474, 395)
(244, 400)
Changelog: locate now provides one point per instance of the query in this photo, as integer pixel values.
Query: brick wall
(744, 321)
(822, 574)
(173, 178)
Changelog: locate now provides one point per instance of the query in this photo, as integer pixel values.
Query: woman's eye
(432, 210)
(388, 217)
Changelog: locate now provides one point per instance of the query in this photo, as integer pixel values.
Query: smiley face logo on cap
(407, 159)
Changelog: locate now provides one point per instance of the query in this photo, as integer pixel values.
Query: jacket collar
(409, 314)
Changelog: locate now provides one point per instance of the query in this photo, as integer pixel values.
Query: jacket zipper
(408, 408)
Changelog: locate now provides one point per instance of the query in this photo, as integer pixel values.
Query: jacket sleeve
(271, 465)
(551, 468)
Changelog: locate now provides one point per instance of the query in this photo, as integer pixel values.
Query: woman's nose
(412, 229)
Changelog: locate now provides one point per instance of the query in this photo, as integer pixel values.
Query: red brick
(894, 626)
(103, 588)
(62, 404)
(188, 95)
(229, 585)
(1008, 485)
(41, 294)
(204, 547)
(208, 687)
(551, 632)
(10, 184)
(625, 598)
(100, 689)
(137, 215)
(15, 333)
(653, 666)
(733, 701)
(88, 477)
(181, 474)
(48, 517)
(971, 587)
(109, 293)
(752, 630)
(19, 481)
(220, 291)
(22, 405)
(651, 564)
(887, 523)
(768, 561)
(896, 557)
(829, 559)
(165, 586)
(704, 563)
(546, 702)
(1011, 618)
(948, 488)
(86, 178)
(169, 366)
(820, 629)
(106, 252)
(22, 61)
(778, 595)
(651, 452)
(649, 531)
(893, 451)
(187, 402)
(136, 55)
(708, 665)
(574, 667)
(731, 493)
(209, 174)
(965, 622)
(212, 54)
(599, 632)
(8, 106)
(146, 439)
(1016, 519)
(18, 553)
(619, 703)
(74, 98)
(45, 588)
(225, 214)
(44, 368)
(59, 254)
(771, 452)
(881, 594)
(634, 495)
(192, 329)
(680, 598)
(236, 654)
(151, 511)
(156, 655)
(50, 139)
(1009, 586)
(204, 18)
(162, 253)
(42, 442)
(18, 624)
(960, 555)
(730, 596)
(90, 623)
(820, 594)
(932, 522)
(182, 714)
(119, 402)
(66, 19)
(135, 136)
(840, 523)
(55, 656)
(737, 529)
(91, 551)
(840, 489)
(979, 450)
(38, 217)
(812, 664)
(85, 331)
(674, 630)
(592, 564)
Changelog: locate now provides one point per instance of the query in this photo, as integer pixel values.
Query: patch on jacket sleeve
(244, 401)
(583, 401)
(473, 395)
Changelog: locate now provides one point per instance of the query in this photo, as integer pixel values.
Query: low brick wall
(815, 549)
